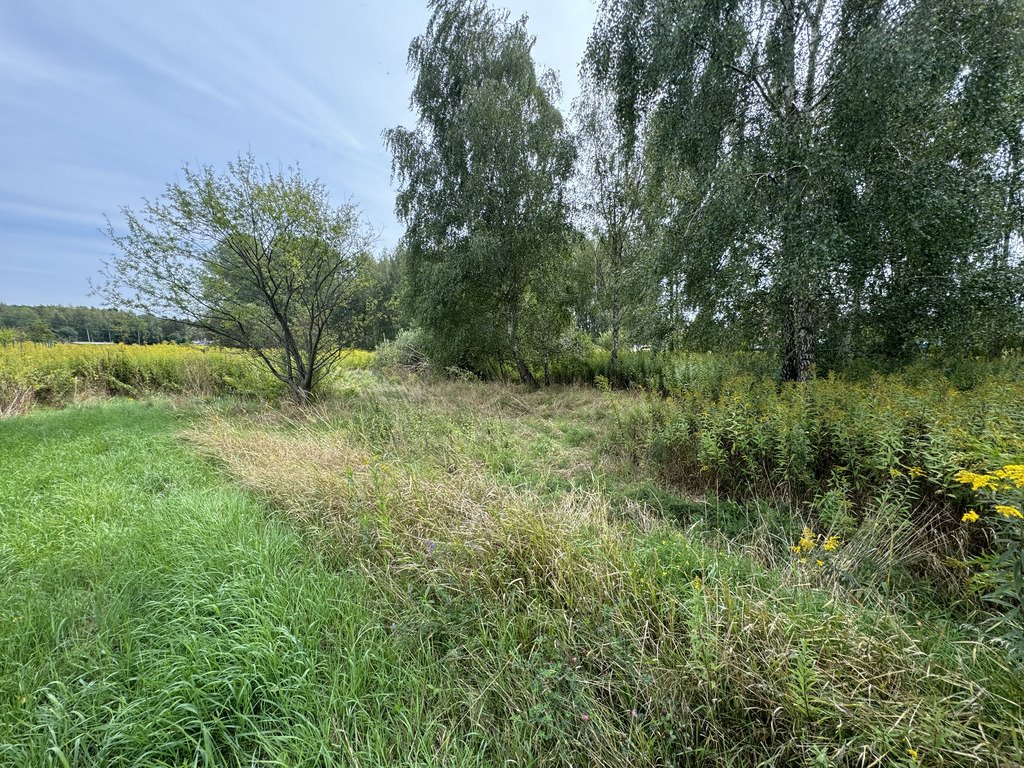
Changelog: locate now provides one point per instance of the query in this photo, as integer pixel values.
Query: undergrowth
(423, 572)
(578, 625)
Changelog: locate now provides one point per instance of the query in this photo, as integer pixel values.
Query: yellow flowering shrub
(872, 461)
(1008, 511)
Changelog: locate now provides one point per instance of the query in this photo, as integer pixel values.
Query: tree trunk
(798, 361)
(798, 325)
(298, 392)
(525, 375)
(615, 338)
(517, 354)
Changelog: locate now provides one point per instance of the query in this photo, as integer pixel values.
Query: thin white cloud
(102, 102)
(48, 213)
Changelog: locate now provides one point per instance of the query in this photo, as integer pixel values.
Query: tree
(373, 310)
(40, 332)
(255, 258)
(483, 178)
(610, 186)
(817, 161)
(9, 336)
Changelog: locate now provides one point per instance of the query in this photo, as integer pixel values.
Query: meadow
(59, 374)
(419, 571)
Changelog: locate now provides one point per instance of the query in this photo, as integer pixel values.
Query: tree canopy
(483, 184)
(842, 176)
(256, 258)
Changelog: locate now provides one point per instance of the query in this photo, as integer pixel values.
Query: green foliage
(611, 188)
(872, 462)
(69, 324)
(372, 313)
(482, 189)
(9, 336)
(259, 259)
(1001, 498)
(406, 351)
(833, 179)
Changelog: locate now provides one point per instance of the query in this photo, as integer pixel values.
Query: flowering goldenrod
(975, 480)
(1007, 511)
(970, 517)
(831, 544)
(807, 539)
(1012, 473)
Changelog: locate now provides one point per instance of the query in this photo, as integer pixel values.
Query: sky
(101, 103)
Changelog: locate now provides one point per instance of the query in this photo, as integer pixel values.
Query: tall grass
(152, 615)
(59, 374)
(573, 635)
(440, 573)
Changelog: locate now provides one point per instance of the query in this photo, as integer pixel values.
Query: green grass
(152, 615)
(578, 625)
(433, 574)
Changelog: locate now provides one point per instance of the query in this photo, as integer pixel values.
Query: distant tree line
(372, 308)
(49, 323)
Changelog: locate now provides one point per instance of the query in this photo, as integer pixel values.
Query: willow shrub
(57, 374)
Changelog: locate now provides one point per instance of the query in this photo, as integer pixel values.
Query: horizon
(102, 106)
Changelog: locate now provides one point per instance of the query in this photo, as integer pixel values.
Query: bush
(872, 463)
(405, 351)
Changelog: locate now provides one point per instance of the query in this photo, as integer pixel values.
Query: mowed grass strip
(151, 615)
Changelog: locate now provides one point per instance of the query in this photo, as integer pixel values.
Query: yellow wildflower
(970, 517)
(1008, 511)
(915, 472)
(795, 549)
(807, 539)
(913, 753)
(831, 544)
(821, 563)
(975, 480)
(1014, 473)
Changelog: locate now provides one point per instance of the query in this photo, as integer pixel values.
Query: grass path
(152, 615)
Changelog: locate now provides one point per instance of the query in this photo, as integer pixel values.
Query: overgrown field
(423, 572)
(59, 374)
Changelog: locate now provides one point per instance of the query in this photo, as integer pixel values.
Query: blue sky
(101, 103)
